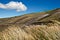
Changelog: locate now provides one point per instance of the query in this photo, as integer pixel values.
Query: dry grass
(13, 28)
(32, 32)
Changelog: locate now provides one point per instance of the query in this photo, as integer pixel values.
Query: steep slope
(20, 19)
(35, 26)
(32, 18)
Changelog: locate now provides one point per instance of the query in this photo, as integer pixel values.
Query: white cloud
(18, 6)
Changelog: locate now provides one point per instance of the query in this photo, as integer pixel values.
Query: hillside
(34, 17)
(34, 26)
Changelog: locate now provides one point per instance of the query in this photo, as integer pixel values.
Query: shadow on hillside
(44, 23)
(3, 27)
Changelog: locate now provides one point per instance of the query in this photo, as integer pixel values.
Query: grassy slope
(15, 31)
(32, 32)
(33, 16)
(20, 19)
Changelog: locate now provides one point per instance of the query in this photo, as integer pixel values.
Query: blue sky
(32, 6)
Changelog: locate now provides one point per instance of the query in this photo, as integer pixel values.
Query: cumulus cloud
(18, 6)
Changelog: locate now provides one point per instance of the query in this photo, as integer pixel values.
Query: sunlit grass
(31, 32)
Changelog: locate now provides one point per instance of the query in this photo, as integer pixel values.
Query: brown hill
(35, 26)
(32, 18)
